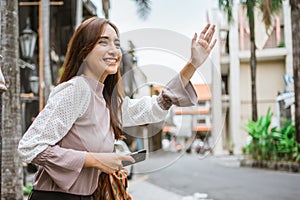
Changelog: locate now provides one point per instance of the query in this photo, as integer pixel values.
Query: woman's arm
(64, 165)
(179, 91)
(66, 103)
(106, 162)
(154, 109)
(187, 72)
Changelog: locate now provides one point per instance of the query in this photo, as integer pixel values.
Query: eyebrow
(107, 38)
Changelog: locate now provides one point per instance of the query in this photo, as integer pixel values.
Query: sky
(162, 40)
(184, 16)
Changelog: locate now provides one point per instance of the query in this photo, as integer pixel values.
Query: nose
(113, 49)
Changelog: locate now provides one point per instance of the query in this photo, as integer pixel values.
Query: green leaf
(27, 189)
(226, 6)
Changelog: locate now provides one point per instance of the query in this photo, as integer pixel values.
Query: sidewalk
(233, 161)
(141, 189)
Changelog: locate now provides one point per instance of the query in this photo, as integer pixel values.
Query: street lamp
(34, 84)
(27, 41)
(27, 44)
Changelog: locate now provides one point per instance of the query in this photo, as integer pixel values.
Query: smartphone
(138, 156)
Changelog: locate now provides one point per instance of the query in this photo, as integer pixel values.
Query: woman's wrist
(187, 72)
(193, 63)
(90, 160)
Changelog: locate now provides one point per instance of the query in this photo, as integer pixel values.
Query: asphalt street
(190, 177)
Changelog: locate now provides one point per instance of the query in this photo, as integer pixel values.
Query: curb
(293, 167)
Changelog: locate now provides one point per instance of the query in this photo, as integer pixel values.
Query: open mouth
(111, 61)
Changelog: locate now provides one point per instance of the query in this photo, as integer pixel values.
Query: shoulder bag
(112, 186)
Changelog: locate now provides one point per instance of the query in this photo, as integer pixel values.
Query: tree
(12, 179)
(143, 7)
(250, 14)
(268, 8)
(295, 14)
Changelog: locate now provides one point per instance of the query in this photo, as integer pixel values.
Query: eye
(117, 44)
(103, 42)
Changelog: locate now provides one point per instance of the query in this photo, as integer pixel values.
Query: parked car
(122, 147)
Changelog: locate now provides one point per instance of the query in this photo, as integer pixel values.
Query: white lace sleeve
(154, 109)
(67, 102)
(142, 111)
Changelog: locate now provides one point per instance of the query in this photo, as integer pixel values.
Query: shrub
(271, 143)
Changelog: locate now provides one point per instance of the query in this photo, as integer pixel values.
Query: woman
(72, 139)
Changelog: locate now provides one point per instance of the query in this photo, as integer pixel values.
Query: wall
(269, 83)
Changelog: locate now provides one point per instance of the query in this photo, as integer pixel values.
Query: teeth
(110, 60)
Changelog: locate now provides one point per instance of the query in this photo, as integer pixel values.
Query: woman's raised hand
(202, 46)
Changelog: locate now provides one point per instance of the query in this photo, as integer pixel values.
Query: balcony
(271, 39)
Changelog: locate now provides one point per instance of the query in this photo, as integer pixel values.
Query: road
(218, 178)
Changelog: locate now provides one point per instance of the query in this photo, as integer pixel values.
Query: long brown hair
(81, 44)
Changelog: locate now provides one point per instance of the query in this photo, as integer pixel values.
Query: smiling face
(105, 57)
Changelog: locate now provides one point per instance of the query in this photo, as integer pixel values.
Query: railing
(265, 39)
(272, 37)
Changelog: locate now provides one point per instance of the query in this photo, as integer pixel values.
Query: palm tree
(295, 13)
(12, 179)
(268, 7)
(143, 6)
(250, 11)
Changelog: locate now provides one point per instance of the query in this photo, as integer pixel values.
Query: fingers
(207, 33)
(213, 44)
(109, 162)
(195, 37)
(127, 158)
(123, 158)
(117, 167)
(210, 34)
(203, 33)
(205, 38)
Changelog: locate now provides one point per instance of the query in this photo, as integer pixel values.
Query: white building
(232, 57)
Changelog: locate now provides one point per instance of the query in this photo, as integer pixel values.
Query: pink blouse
(76, 120)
